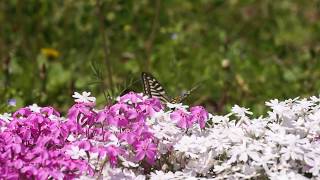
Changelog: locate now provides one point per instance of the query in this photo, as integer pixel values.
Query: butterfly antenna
(196, 86)
(127, 89)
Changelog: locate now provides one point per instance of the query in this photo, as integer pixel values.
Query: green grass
(272, 49)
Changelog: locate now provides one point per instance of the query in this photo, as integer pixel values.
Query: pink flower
(113, 152)
(22, 112)
(146, 149)
(150, 106)
(49, 111)
(200, 115)
(33, 147)
(82, 114)
(86, 145)
(128, 136)
(131, 97)
(182, 118)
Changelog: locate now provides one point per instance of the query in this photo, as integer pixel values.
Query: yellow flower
(50, 52)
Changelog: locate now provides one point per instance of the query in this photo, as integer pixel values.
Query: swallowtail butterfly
(153, 88)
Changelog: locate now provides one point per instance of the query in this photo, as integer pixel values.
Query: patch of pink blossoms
(37, 143)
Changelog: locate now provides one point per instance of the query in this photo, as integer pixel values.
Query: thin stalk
(104, 42)
(43, 78)
(6, 68)
(150, 40)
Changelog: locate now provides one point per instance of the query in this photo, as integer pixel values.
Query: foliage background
(241, 52)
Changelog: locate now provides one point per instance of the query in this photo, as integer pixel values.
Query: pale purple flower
(12, 102)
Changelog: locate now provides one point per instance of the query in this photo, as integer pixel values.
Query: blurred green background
(241, 52)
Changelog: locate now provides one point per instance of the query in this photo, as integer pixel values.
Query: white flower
(235, 134)
(219, 119)
(302, 106)
(158, 117)
(76, 153)
(292, 147)
(314, 166)
(315, 116)
(35, 108)
(113, 140)
(56, 118)
(291, 152)
(240, 111)
(256, 128)
(220, 168)
(127, 163)
(192, 145)
(71, 138)
(160, 175)
(315, 99)
(120, 173)
(247, 172)
(6, 117)
(244, 151)
(202, 164)
(219, 141)
(176, 106)
(286, 175)
(267, 158)
(281, 108)
(84, 97)
(166, 130)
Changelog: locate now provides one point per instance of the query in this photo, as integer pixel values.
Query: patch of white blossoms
(285, 144)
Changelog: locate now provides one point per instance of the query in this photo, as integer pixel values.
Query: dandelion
(50, 53)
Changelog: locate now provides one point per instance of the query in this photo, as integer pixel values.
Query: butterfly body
(153, 88)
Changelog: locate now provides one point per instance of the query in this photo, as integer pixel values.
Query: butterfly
(153, 88)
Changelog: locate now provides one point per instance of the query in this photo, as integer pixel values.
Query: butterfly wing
(152, 87)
